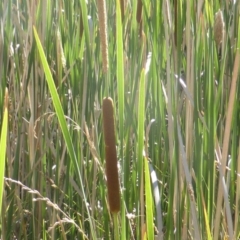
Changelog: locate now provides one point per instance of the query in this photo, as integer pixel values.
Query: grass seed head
(102, 18)
(60, 49)
(111, 156)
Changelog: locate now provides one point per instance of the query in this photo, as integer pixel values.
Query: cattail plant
(111, 161)
(102, 18)
(218, 28)
(139, 11)
(111, 156)
(139, 16)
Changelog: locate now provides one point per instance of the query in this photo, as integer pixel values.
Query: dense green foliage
(173, 74)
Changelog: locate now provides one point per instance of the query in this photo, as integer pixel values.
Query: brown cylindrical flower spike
(218, 28)
(111, 155)
(139, 16)
(139, 11)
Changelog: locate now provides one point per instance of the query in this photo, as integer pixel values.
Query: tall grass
(173, 75)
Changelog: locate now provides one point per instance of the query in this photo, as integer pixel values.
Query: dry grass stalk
(111, 156)
(175, 21)
(218, 28)
(39, 197)
(6, 99)
(102, 18)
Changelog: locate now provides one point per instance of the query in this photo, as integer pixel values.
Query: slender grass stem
(115, 226)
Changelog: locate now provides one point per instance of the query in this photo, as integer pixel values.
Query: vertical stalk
(111, 161)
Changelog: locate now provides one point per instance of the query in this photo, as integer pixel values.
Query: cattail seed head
(111, 156)
(139, 17)
(218, 28)
(139, 11)
(102, 18)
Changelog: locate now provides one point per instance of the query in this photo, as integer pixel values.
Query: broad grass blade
(3, 143)
(149, 201)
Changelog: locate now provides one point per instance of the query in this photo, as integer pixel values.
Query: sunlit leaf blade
(120, 70)
(149, 201)
(3, 146)
(120, 82)
(141, 117)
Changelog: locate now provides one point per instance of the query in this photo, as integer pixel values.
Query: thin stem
(115, 226)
